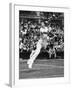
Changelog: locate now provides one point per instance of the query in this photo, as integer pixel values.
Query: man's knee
(38, 51)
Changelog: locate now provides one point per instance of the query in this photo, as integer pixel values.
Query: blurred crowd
(29, 34)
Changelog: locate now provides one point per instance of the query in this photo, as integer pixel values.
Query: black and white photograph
(41, 44)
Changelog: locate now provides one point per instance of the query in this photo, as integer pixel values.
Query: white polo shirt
(45, 29)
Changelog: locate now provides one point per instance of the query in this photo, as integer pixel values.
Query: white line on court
(37, 67)
(43, 60)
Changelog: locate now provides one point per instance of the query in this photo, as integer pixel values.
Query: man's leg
(33, 51)
(50, 53)
(54, 53)
(33, 56)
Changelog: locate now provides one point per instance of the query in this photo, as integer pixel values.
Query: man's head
(42, 24)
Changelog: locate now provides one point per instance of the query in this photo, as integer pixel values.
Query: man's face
(42, 24)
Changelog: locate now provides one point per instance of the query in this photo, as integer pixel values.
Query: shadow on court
(46, 68)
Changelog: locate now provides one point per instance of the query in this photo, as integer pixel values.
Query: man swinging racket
(42, 42)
